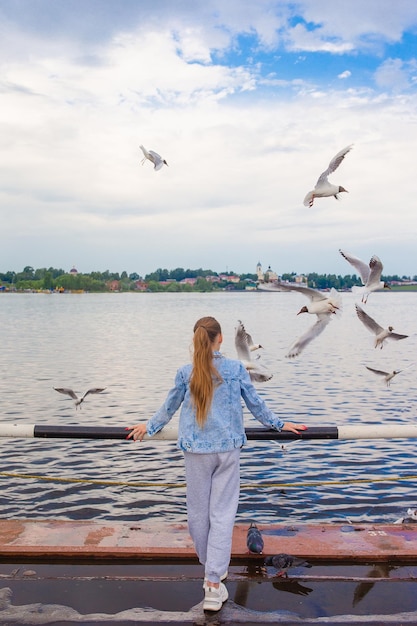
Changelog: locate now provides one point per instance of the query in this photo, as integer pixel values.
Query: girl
(211, 433)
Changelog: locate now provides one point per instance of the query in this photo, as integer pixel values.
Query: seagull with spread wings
(381, 334)
(323, 188)
(370, 274)
(73, 395)
(244, 346)
(323, 305)
(388, 376)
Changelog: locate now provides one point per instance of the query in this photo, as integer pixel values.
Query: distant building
(300, 278)
(113, 285)
(259, 271)
(267, 276)
(188, 281)
(270, 274)
(229, 278)
(73, 271)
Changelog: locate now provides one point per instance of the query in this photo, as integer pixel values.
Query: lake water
(132, 344)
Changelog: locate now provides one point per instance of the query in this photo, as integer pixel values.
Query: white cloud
(300, 38)
(363, 23)
(345, 74)
(393, 74)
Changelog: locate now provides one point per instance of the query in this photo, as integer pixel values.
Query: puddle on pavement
(322, 590)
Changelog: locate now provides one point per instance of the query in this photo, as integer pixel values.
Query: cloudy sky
(247, 101)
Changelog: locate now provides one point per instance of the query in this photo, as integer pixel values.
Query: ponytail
(204, 376)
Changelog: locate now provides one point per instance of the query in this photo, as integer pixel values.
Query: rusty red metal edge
(63, 539)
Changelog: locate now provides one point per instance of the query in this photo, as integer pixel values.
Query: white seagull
(370, 274)
(73, 395)
(153, 157)
(411, 517)
(381, 334)
(322, 304)
(244, 347)
(323, 188)
(252, 346)
(388, 376)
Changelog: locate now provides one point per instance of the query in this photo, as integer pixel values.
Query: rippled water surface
(132, 344)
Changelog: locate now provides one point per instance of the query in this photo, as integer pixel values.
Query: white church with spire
(267, 276)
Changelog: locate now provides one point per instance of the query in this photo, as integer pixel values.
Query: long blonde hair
(204, 376)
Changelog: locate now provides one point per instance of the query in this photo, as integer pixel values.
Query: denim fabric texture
(224, 429)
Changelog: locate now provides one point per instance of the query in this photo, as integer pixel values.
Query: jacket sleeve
(171, 405)
(256, 405)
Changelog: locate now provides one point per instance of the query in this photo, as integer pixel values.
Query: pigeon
(323, 188)
(381, 334)
(283, 562)
(73, 395)
(324, 305)
(388, 376)
(254, 540)
(154, 158)
(370, 274)
(244, 346)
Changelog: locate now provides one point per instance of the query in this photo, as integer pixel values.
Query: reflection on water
(132, 344)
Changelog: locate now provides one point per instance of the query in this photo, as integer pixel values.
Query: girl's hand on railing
(294, 428)
(136, 432)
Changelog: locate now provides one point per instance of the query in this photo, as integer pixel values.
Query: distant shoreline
(395, 288)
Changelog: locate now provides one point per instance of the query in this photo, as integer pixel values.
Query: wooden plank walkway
(61, 539)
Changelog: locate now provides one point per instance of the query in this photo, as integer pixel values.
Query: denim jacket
(224, 428)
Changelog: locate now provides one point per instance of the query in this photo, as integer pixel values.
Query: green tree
(203, 285)
(154, 285)
(173, 287)
(8, 277)
(27, 274)
(48, 281)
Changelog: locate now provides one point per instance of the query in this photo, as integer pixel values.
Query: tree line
(58, 279)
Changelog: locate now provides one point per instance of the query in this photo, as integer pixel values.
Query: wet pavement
(62, 573)
(148, 592)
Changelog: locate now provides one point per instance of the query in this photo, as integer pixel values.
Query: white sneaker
(214, 597)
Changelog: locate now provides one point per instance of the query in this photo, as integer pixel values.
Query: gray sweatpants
(213, 483)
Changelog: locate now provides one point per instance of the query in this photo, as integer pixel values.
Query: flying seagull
(251, 345)
(284, 446)
(322, 304)
(323, 188)
(388, 376)
(370, 274)
(381, 334)
(153, 157)
(73, 395)
(244, 346)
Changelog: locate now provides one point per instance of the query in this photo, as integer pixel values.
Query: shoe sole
(212, 606)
